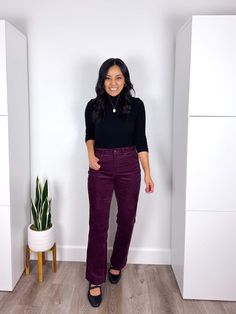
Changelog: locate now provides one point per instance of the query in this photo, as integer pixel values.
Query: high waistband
(115, 150)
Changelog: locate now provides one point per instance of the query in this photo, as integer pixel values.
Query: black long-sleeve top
(113, 131)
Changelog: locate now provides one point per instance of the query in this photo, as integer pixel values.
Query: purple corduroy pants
(119, 172)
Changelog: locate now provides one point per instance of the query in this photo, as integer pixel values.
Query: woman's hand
(143, 157)
(149, 184)
(93, 162)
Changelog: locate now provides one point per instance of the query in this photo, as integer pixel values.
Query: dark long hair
(99, 101)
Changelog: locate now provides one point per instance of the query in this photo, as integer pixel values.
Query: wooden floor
(143, 289)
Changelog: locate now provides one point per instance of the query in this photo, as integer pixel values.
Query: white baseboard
(71, 253)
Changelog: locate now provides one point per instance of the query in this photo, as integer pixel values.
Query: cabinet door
(3, 80)
(213, 66)
(211, 164)
(210, 256)
(4, 162)
(5, 249)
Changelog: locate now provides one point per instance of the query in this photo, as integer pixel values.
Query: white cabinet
(3, 73)
(209, 271)
(14, 154)
(211, 164)
(4, 162)
(204, 154)
(213, 66)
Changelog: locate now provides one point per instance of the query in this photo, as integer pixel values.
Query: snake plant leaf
(40, 193)
(39, 223)
(49, 220)
(45, 191)
(34, 214)
(37, 194)
(49, 214)
(44, 213)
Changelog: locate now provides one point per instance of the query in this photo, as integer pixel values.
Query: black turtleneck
(114, 131)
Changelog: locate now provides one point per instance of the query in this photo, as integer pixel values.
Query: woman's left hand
(149, 184)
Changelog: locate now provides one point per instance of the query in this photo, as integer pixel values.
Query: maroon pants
(120, 171)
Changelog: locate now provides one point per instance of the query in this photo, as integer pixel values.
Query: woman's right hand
(93, 162)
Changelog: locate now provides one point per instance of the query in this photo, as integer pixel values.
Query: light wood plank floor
(143, 289)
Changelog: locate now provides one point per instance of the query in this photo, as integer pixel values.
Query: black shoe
(113, 278)
(95, 301)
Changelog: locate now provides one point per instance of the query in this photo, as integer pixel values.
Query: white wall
(67, 42)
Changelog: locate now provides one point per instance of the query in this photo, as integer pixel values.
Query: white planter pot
(41, 241)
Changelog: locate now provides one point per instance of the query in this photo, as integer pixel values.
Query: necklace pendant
(114, 110)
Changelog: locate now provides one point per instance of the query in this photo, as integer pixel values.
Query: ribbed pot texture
(41, 241)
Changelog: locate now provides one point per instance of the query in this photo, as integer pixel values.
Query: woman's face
(114, 81)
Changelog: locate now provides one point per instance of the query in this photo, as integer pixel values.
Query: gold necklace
(114, 107)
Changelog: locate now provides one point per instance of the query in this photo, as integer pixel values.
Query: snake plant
(41, 207)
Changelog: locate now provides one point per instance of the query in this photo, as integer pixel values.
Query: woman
(116, 141)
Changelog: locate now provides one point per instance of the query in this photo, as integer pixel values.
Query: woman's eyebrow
(114, 75)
